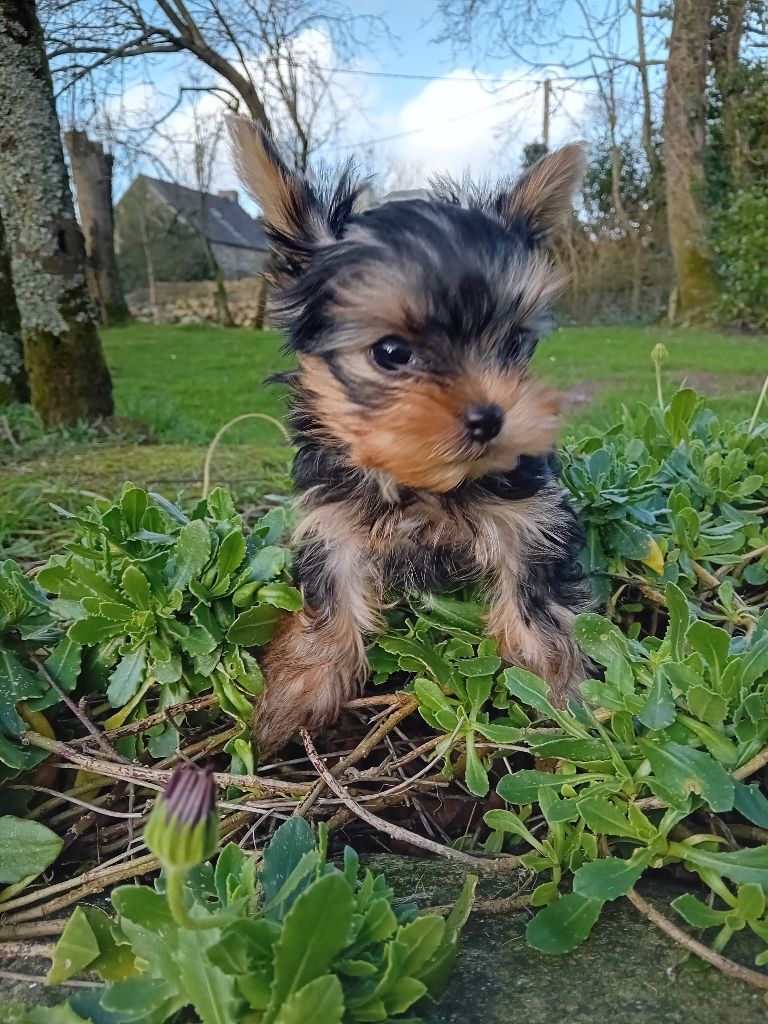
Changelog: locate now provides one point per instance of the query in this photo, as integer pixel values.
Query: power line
(404, 75)
(434, 124)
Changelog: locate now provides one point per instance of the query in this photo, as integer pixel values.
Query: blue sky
(453, 123)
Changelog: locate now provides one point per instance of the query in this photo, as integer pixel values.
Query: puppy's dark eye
(392, 353)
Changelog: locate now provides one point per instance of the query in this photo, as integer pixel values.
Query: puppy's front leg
(537, 589)
(317, 659)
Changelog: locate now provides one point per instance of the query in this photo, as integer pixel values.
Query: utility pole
(547, 103)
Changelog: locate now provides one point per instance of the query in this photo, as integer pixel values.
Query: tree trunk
(92, 176)
(68, 377)
(220, 301)
(13, 379)
(725, 49)
(261, 304)
(684, 115)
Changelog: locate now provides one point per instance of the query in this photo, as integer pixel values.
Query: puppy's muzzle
(483, 422)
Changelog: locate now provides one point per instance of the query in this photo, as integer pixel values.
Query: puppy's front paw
(307, 678)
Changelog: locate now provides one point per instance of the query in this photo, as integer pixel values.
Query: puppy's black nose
(483, 421)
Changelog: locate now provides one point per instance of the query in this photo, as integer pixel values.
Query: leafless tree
(256, 54)
(207, 139)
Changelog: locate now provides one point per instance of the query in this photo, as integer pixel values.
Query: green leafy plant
(739, 233)
(149, 602)
(630, 792)
(672, 495)
(284, 941)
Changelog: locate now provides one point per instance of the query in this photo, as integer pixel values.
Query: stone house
(237, 240)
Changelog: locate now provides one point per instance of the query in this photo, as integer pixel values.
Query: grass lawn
(185, 382)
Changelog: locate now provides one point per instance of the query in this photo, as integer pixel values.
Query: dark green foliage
(150, 603)
(299, 941)
(740, 233)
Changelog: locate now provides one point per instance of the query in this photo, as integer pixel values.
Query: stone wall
(192, 302)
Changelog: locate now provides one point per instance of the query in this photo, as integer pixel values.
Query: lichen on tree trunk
(68, 377)
(13, 379)
(92, 177)
(684, 124)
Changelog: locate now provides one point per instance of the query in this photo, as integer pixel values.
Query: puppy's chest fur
(515, 524)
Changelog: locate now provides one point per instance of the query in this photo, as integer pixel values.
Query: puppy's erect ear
(296, 216)
(542, 197)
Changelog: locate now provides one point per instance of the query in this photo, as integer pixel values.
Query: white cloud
(458, 125)
(451, 125)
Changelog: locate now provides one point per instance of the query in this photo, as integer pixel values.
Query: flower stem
(659, 392)
(756, 413)
(174, 891)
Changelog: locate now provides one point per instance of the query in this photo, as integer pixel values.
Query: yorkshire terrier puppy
(424, 447)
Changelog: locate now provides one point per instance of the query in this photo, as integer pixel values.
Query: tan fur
(418, 437)
(544, 193)
(276, 189)
(317, 661)
(508, 535)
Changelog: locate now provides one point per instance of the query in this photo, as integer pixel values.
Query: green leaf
(748, 865)
(212, 992)
(133, 505)
(599, 638)
(486, 666)
(255, 626)
(461, 909)
(291, 841)
(475, 774)
(281, 596)
(508, 821)
(135, 586)
(697, 913)
(321, 1001)
(75, 950)
(706, 705)
(750, 901)
(16, 683)
(191, 553)
(220, 505)
(421, 652)
(314, 933)
(94, 628)
(712, 643)
(63, 663)
(750, 801)
(564, 924)
(611, 877)
(264, 565)
(606, 818)
(245, 944)
(522, 787)
(230, 554)
(659, 709)
(127, 677)
(26, 848)
(528, 688)
(684, 770)
(679, 619)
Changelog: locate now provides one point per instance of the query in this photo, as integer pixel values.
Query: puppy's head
(414, 321)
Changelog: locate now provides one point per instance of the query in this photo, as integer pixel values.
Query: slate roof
(226, 222)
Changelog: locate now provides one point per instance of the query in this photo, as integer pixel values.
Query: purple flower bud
(183, 828)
